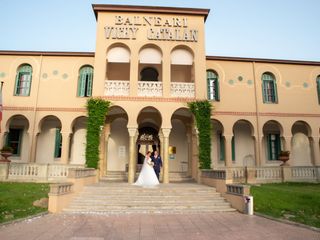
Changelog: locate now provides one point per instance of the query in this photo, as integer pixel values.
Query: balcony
(149, 89)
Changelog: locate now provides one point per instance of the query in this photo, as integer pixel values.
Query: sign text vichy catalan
(158, 28)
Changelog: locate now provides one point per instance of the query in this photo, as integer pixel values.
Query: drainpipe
(258, 163)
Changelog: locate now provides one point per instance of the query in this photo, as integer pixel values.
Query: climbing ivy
(202, 112)
(97, 109)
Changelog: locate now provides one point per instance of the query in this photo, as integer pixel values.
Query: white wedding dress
(147, 176)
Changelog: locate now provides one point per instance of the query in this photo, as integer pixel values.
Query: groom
(156, 159)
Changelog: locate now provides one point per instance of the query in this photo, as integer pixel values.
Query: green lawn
(298, 202)
(16, 199)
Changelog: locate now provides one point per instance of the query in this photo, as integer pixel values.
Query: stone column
(189, 139)
(257, 151)
(228, 149)
(33, 142)
(287, 146)
(166, 75)
(132, 157)
(166, 133)
(134, 74)
(316, 151)
(65, 147)
(102, 152)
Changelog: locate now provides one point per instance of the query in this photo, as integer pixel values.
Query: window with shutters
(23, 80)
(269, 88)
(213, 85)
(85, 81)
(14, 140)
(222, 147)
(273, 146)
(58, 143)
(318, 88)
(233, 150)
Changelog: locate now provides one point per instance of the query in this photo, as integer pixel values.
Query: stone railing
(116, 88)
(238, 189)
(304, 173)
(269, 174)
(60, 188)
(81, 172)
(215, 174)
(273, 174)
(38, 172)
(181, 89)
(149, 89)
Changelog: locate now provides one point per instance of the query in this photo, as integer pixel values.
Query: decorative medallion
(55, 72)
(250, 82)
(65, 76)
(231, 82)
(305, 85)
(45, 75)
(240, 78)
(288, 84)
(2, 74)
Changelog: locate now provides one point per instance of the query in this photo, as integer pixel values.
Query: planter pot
(284, 160)
(5, 156)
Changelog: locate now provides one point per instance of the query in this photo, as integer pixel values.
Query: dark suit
(157, 164)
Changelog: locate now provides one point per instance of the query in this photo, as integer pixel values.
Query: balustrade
(149, 89)
(181, 89)
(116, 88)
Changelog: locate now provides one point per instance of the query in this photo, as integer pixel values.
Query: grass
(16, 199)
(298, 202)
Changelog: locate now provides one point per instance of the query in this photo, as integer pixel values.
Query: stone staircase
(118, 198)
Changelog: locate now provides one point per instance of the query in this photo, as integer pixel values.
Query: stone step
(107, 198)
(146, 211)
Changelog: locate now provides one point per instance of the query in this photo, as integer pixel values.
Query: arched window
(85, 81)
(213, 85)
(318, 88)
(149, 74)
(23, 80)
(269, 88)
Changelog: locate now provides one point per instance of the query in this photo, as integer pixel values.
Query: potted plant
(6, 152)
(284, 156)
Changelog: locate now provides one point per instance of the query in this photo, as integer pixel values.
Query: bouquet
(150, 162)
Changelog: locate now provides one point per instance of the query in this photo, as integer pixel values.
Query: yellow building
(150, 62)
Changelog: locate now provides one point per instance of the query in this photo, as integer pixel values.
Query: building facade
(149, 63)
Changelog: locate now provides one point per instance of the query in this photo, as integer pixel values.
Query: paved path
(215, 226)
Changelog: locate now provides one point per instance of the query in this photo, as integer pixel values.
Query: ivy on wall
(97, 110)
(202, 112)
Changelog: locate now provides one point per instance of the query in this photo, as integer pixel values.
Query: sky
(275, 29)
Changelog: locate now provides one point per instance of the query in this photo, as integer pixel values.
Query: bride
(147, 176)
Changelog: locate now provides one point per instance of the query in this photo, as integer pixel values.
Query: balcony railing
(181, 89)
(149, 89)
(116, 88)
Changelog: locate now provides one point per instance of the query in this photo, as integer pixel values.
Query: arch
(245, 124)
(272, 132)
(149, 74)
(19, 120)
(318, 87)
(118, 53)
(243, 143)
(218, 150)
(182, 55)
(16, 136)
(150, 114)
(301, 126)
(78, 140)
(150, 54)
(49, 140)
(116, 112)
